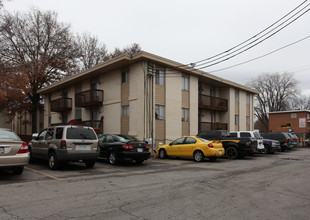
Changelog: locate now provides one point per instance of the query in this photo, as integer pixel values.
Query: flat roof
(124, 60)
(290, 111)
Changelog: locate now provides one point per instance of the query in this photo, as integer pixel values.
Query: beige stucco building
(149, 97)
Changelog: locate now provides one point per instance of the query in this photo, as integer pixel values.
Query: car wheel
(198, 156)
(53, 162)
(113, 158)
(139, 161)
(231, 153)
(18, 170)
(90, 163)
(307, 144)
(212, 158)
(162, 154)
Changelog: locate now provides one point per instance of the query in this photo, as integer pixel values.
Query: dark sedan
(117, 148)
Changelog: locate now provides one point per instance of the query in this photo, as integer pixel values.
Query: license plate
(140, 149)
(2, 150)
(220, 151)
(82, 147)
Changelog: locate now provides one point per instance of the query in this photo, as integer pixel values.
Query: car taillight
(23, 148)
(210, 145)
(295, 139)
(285, 141)
(147, 147)
(128, 147)
(63, 144)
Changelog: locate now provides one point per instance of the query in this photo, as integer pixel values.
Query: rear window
(202, 139)
(127, 138)
(257, 135)
(232, 134)
(4, 134)
(245, 134)
(81, 133)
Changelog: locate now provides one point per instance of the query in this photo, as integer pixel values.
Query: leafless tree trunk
(276, 92)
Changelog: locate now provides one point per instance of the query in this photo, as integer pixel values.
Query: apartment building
(297, 121)
(150, 97)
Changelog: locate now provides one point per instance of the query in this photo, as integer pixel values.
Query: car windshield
(81, 133)
(257, 135)
(5, 134)
(202, 139)
(127, 138)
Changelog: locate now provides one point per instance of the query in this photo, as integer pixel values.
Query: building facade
(149, 97)
(297, 121)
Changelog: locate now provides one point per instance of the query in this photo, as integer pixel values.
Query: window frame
(125, 111)
(160, 77)
(185, 117)
(125, 76)
(160, 112)
(185, 83)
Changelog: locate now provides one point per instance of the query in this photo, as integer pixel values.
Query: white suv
(65, 143)
(253, 134)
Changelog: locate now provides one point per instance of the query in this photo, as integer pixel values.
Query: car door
(188, 147)
(174, 148)
(36, 144)
(106, 142)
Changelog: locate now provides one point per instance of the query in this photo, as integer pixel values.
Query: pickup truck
(234, 147)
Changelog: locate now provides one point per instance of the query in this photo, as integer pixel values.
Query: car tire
(231, 153)
(162, 154)
(53, 162)
(139, 161)
(212, 158)
(18, 170)
(90, 163)
(113, 159)
(306, 144)
(198, 156)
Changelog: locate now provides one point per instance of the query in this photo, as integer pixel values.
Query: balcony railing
(61, 105)
(213, 103)
(91, 97)
(207, 126)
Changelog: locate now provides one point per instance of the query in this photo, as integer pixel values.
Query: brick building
(297, 121)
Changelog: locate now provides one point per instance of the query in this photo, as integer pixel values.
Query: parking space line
(112, 168)
(44, 174)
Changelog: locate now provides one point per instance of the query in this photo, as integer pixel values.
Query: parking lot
(259, 187)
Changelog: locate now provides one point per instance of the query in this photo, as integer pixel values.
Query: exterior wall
(242, 110)
(193, 111)
(276, 120)
(232, 110)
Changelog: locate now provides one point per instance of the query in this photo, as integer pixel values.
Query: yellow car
(191, 147)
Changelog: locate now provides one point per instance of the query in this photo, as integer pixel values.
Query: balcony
(93, 97)
(61, 105)
(213, 103)
(207, 126)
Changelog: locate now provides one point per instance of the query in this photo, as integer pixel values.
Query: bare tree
(91, 51)
(301, 103)
(37, 50)
(130, 50)
(276, 91)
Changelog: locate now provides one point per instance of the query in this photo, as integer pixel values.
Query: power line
(261, 55)
(255, 36)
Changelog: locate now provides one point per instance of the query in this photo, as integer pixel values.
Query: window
(125, 111)
(308, 115)
(213, 92)
(185, 83)
(160, 77)
(190, 141)
(159, 112)
(185, 114)
(42, 135)
(236, 119)
(178, 141)
(293, 115)
(94, 115)
(232, 134)
(248, 99)
(236, 95)
(213, 116)
(49, 134)
(245, 134)
(78, 113)
(247, 120)
(59, 132)
(125, 76)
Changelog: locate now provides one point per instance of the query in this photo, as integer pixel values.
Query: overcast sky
(188, 31)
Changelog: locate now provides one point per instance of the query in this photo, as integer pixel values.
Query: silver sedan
(14, 153)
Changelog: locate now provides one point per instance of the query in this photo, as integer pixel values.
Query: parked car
(120, 147)
(234, 147)
(294, 139)
(271, 146)
(282, 137)
(192, 147)
(256, 137)
(64, 144)
(13, 152)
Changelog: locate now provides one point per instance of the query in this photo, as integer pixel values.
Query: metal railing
(207, 126)
(61, 105)
(89, 98)
(212, 103)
